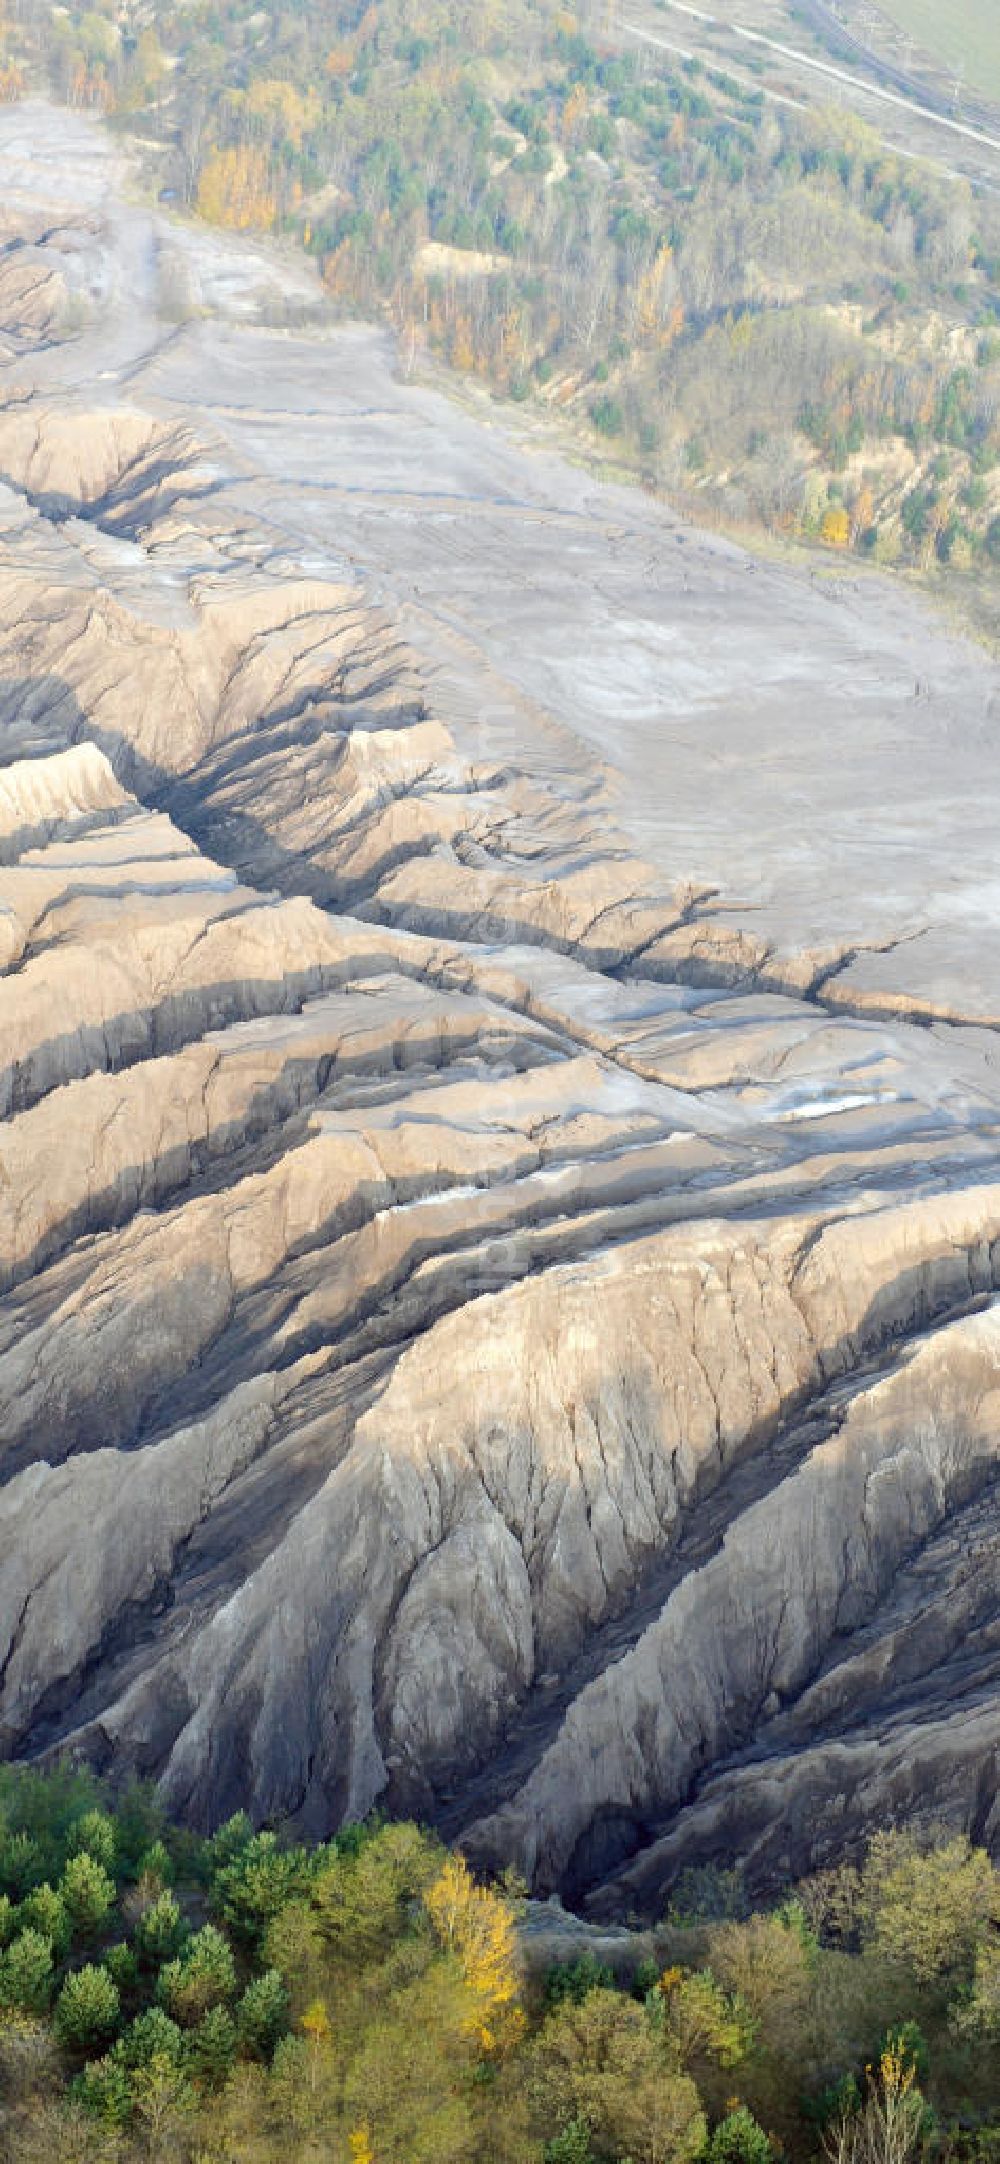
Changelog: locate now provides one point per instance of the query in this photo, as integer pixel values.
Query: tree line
(247, 1998)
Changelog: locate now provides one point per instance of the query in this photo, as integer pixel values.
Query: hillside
(499, 1192)
(729, 276)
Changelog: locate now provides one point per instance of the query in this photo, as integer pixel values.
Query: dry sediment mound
(474, 1335)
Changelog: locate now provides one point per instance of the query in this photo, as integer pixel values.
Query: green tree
(94, 1835)
(767, 1965)
(26, 1973)
(88, 1894)
(161, 1930)
(577, 1979)
(103, 2091)
(361, 1896)
(155, 1867)
(203, 1977)
(121, 1964)
(163, 2102)
(250, 1891)
(705, 2021)
(976, 2011)
(262, 2013)
(87, 2009)
(45, 1911)
(22, 1863)
(572, 2146)
(151, 2035)
(212, 2047)
(739, 2140)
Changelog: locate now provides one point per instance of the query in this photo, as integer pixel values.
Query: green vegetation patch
(247, 1999)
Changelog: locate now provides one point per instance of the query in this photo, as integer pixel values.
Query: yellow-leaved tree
(476, 1925)
(234, 188)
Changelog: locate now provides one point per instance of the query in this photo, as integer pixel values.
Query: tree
(976, 2013)
(476, 1925)
(294, 1944)
(103, 2091)
(360, 1898)
(235, 188)
(251, 1889)
(704, 2021)
(835, 529)
(608, 2065)
(212, 2047)
(121, 1964)
(929, 1912)
(26, 1973)
(160, 1930)
(577, 1979)
(767, 1965)
(94, 1835)
(572, 2146)
(88, 1894)
(262, 2013)
(27, 2056)
(890, 2127)
(162, 2100)
(405, 2085)
(87, 2009)
(151, 2035)
(739, 2140)
(45, 1911)
(203, 1977)
(317, 2030)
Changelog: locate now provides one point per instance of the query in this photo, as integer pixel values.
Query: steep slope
(488, 1323)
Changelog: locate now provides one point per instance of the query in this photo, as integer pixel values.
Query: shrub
(86, 2011)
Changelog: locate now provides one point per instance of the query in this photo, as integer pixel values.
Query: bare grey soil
(499, 1200)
